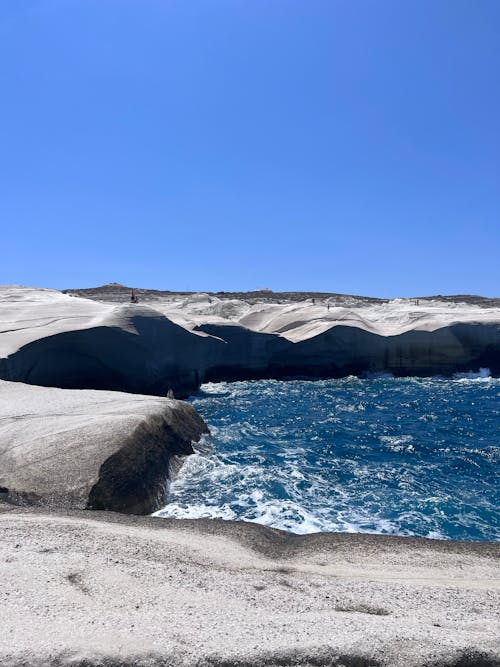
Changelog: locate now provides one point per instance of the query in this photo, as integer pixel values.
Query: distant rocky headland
(117, 292)
(145, 341)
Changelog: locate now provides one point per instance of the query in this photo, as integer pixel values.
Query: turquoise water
(405, 456)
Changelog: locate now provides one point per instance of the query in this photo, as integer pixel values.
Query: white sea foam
(198, 511)
(397, 443)
(395, 456)
(482, 374)
(435, 535)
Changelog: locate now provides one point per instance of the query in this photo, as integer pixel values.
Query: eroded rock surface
(110, 590)
(51, 339)
(179, 341)
(91, 449)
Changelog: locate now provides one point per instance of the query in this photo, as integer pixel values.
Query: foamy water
(402, 456)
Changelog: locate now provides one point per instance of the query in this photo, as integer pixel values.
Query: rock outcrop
(343, 350)
(91, 449)
(50, 339)
(179, 341)
(247, 355)
(341, 335)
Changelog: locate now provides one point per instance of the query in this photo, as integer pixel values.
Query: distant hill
(119, 293)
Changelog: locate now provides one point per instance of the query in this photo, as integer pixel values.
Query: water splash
(403, 456)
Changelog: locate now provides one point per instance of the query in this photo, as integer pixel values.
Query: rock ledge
(91, 449)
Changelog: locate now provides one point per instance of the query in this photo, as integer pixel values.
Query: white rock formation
(53, 339)
(91, 449)
(179, 341)
(302, 320)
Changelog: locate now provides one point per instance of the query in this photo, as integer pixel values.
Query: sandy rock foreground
(102, 589)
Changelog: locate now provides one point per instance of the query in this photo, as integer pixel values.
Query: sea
(398, 456)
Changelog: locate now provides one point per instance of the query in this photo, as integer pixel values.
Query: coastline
(180, 341)
(89, 589)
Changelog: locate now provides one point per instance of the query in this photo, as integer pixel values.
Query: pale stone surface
(177, 342)
(85, 448)
(338, 335)
(53, 339)
(102, 589)
(302, 320)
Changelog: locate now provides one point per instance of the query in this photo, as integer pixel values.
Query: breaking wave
(405, 456)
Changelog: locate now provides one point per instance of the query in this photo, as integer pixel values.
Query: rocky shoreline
(96, 588)
(178, 342)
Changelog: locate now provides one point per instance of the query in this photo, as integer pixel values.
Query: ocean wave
(482, 374)
(406, 456)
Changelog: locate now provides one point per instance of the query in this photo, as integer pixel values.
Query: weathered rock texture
(91, 449)
(50, 339)
(179, 341)
(85, 589)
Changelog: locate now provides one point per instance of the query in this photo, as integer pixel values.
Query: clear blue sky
(338, 145)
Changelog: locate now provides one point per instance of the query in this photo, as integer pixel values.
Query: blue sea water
(406, 456)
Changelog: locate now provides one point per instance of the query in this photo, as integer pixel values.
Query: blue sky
(337, 145)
